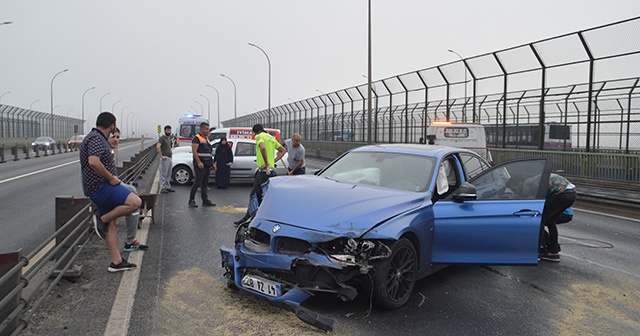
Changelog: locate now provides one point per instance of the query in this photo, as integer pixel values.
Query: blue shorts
(108, 196)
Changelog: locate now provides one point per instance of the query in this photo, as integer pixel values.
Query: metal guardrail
(22, 294)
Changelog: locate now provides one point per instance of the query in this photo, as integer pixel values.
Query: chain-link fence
(577, 89)
(17, 122)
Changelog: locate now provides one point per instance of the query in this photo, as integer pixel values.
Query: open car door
(496, 219)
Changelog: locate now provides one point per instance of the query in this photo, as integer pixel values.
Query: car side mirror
(466, 192)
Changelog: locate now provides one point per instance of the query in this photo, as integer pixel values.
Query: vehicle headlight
(33, 144)
(355, 252)
(46, 144)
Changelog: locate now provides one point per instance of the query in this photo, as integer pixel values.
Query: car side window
(473, 165)
(245, 149)
(512, 180)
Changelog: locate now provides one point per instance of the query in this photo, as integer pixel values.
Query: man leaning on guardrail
(101, 184)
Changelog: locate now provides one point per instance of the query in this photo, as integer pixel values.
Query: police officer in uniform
(202, 164)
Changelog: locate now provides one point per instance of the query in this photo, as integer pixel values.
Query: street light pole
(121, 117)
(113, 107)
(235, 101)
(129, 123)
(201, 107)
(104, 95)
(208, 108)
(268, 61)
(218, 98)
(85, 92)
(369, 75)
(31, 106)
(54, 77)
(464, 107)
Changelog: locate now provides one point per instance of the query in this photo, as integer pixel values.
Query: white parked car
(244, 162)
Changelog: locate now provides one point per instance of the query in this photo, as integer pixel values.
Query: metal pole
(268, 61)
(369, 74)
(113, 107)
(218, 98)
(464, 108)
(89, 89)
(235, 101)
(2, 119)
(104, 95)
(208, 107)
(54, 77)
(201, 107)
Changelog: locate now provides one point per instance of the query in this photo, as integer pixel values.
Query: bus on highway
(556, 135)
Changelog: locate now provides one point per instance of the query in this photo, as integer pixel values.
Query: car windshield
(388, 170)
(42, 139)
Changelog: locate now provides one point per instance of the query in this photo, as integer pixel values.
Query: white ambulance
(462, 135)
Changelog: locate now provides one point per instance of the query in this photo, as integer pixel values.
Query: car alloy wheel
(182, 175)
(396, 276)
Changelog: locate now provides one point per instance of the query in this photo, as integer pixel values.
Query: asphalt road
(27, 195)
(594, 290)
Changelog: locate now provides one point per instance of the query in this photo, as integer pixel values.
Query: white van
(462, 135)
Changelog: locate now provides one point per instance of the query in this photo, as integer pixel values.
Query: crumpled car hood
(324, 205)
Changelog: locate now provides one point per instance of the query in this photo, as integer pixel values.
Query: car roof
(415, 149)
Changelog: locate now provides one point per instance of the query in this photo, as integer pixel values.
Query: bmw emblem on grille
(276, 228)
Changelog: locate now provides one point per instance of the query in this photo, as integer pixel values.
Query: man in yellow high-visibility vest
(266, 146)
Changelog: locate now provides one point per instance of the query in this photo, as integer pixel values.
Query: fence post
(7, 262)
(14, 150)
(66, 208)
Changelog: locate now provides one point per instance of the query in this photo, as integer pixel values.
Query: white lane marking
(38, 171)
(46, 169)
(120, 317)
(608, 215)
(637, 276)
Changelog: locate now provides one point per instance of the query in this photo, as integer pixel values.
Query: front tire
(396, 276)
(182, 175)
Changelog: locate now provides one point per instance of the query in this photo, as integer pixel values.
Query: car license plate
(262, 285)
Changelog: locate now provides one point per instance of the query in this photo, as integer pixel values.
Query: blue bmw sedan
(381, 217)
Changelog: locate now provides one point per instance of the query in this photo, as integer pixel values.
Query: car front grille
(292, 246)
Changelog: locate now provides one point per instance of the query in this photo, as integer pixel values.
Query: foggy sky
(157, 56)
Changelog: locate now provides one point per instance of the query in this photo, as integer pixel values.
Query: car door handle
(527, 213)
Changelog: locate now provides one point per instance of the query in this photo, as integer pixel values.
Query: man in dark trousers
(202, 164)
(266, 145)
(101, 184)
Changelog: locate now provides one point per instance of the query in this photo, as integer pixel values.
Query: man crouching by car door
(266, 145)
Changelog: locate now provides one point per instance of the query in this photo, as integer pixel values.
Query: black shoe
(243, 219)
(208, 203)
(100, 226)
(124, 265)
(164, 191)
(550, 257)
(193, 204)
(170, 190)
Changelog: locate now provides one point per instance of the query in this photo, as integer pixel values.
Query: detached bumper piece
(289, 298)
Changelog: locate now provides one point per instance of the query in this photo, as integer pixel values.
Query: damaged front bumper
(287, 272)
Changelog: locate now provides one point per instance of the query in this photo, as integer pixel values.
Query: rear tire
(396, 276)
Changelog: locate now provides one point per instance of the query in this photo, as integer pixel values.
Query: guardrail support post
(26, 152)
(7, 262)
(2, 153)
(46, 150)
(66, 208)
(37, 150)
(14, 150)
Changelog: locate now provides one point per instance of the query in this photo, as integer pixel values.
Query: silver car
(244, 162)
